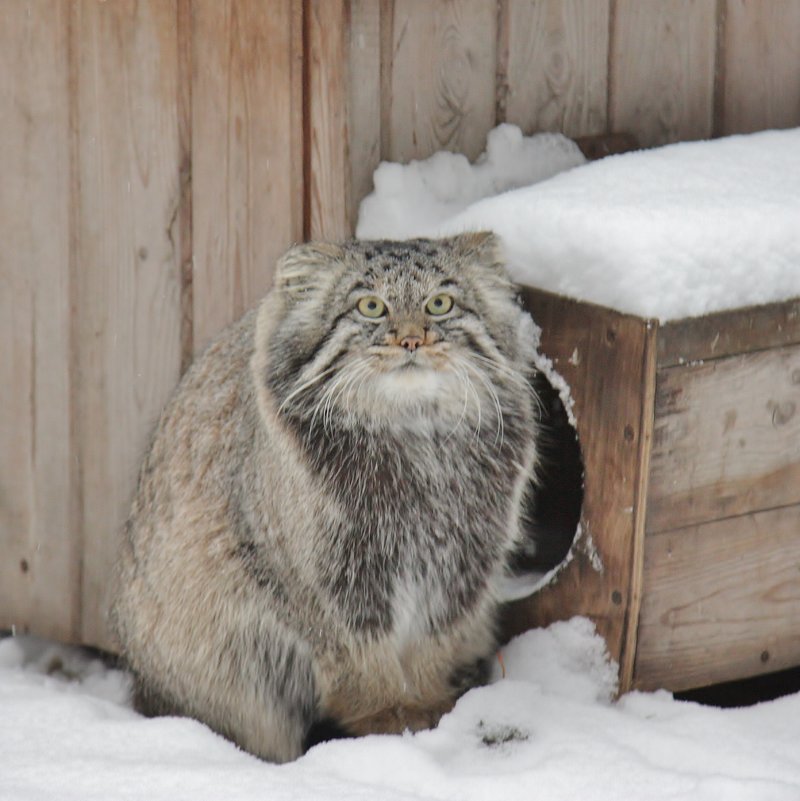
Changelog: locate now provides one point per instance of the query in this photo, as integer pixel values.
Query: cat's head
(386, 332)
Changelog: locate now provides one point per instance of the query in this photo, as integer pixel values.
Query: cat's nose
(410, 343)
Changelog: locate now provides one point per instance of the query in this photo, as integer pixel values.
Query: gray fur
(323, 518)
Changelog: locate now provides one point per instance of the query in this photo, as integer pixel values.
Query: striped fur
(324, 515)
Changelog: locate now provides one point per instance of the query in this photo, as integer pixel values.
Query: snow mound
(427, 193)
(672, 232)
(547, 730)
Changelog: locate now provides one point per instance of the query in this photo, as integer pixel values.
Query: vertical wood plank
(129, 271)
(247, 151)
(184, 240)
(760, 79)
(442, 71)
(364, 98)
(554, 76)
(329, 173)
(386, 57)
(662, 70)
(39, 564)
(630, 642)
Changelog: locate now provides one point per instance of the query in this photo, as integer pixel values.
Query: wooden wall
(157, 156)
(152, 173)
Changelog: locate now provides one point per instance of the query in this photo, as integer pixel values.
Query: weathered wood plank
(662, 70)
(442, 72)
(553, 74)
(246, 152)
(759, 79)
(603, 357)
(329, 173)
(727, 438)
(364, 98)
(727, 333)
(721, 601)
(633, 603)
(39, 577)
(129, 268)
(182, 236)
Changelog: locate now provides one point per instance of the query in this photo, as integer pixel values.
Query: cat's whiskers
(332, 391)
(357, 373)
(319, 406)
(510, 374)
(478, 404)
(461, 374)
(492, 393)
(303, 387)
(367, 373)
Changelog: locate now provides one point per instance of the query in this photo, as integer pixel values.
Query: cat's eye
(371, 307)
(439, 304)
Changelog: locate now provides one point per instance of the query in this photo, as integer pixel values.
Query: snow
(426, 193)
(548, 730)
(671, 232)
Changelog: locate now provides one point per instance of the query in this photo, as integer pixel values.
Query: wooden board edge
(714, 336)
(647, 424)
(532, 293)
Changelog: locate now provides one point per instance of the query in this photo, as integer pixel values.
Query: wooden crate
(690, 436)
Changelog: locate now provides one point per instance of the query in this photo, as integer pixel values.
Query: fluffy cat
(326, 512)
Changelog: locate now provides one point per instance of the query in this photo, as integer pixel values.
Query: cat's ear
(306, 267)
(480, 247)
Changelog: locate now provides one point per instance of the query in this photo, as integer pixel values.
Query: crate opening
(554, 505)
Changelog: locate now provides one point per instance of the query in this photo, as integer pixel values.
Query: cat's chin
(411, 382)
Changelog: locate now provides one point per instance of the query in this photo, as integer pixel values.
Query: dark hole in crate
(746, 692)
(554, 508)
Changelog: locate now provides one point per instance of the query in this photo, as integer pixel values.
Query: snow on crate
(548, 730)
(672, 232)
(426, 193)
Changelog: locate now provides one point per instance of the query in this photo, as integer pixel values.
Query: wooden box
(688, 553)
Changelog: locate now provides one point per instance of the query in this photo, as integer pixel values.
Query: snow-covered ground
(548, 730)
(671, 232)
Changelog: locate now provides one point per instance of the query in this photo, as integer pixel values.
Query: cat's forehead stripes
(415, 258)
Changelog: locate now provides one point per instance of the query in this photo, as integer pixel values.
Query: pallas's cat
(323, 520)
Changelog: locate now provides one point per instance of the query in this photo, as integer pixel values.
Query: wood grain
(129, 277)
(38, 481)
(329, 172)
(442, 68)
(714, 336)
(727, 438)
(182, 230)
(635, 596)
(721, 601)
(246, 148)
(554, 70)
(364, 99)
(603, 356)
(759, 78)
(662, 70)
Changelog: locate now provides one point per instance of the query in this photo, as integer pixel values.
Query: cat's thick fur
(326, 511)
